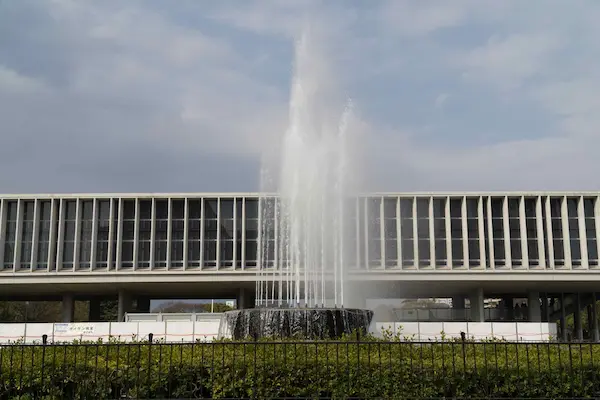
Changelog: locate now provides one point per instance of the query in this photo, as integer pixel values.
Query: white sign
(74, 329)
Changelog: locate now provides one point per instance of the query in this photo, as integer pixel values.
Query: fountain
(302, 284)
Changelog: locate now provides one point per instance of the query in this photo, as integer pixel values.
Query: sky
(185, 96)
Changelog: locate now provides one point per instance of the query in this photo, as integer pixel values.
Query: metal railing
(363, 369)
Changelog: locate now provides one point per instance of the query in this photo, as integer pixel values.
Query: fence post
(150, 337)
(44, 339)
(463, 338)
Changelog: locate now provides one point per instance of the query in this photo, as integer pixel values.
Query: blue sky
(159, 96)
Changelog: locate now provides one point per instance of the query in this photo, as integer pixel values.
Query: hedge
(366, 369)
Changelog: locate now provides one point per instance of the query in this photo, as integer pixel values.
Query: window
(514, 226)
(11, 231)
(574, 237)
(85, 233)
(102, 233)
(589, 205)
(239, 209)
(439, 232)
(473, 232)
(456, 232)
(390, 231)
(144, 233)
(497, 205)
(353, 259)
(424, 248)
(227, 232)
(531, 231)
(69, 220)
(251, 245)
(161, 227)
(557, 231)
(406, 232)
(177, 232)
(27, 234)
(194, 232)
(43, 234)
(373, 220)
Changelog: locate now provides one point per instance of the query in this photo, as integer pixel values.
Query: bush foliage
(370, 368)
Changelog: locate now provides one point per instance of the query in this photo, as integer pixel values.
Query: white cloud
(137, 88)
(11, 82)
(506, 62)
(440, 100)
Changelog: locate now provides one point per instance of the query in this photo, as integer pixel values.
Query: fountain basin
(302, 323)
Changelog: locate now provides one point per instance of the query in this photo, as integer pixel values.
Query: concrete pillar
(577, 317)
(509, 304)
(458, 302)
(458, 310)
(143, 304)
(124, 305)
(95, 312)
(244, 299)
(68, 308)
(477, 306)
(545, 308)
(534, 310)
(594, 320)
(563, 318)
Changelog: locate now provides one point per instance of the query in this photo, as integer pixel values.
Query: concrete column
(509, 314)
(577, 317)
(545, 308)
(477, 306)
(124, 305)
(244, 299)
(563, 318)
(143, 304)
(458, 302)
(459, 309)
(534, 310)
(594, 320)
(68, 308)
(95, 313)
(588, 310)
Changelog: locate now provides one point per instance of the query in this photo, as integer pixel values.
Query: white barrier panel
(35, 332)
(207, 330)
(479, 330)
(11, 332)
(124, 331)
(157, 329)
(180, 331)
(549, 332)
(505, 331)
(529, 332)
(453, 329)
(510, 331)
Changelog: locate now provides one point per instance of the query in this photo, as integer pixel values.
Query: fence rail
(300, 369)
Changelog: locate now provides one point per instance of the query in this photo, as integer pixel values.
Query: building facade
(539, 246)
(220, 232)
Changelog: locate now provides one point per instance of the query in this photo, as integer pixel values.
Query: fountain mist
(303, 230)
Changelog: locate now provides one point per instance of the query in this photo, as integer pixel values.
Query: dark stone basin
(304, 323)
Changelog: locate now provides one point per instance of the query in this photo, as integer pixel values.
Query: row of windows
(224, 232)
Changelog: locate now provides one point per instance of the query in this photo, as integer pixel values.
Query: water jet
(304, 247)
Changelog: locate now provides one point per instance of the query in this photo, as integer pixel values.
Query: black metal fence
(299, 369)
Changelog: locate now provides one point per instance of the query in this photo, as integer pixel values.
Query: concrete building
(539, 246)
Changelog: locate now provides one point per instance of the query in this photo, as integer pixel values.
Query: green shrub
(371, 368)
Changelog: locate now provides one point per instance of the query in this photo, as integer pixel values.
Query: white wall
(207, 330)
(170, 331)
(510, 331)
